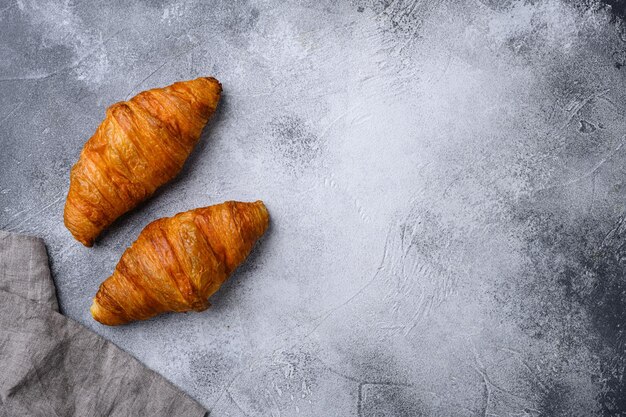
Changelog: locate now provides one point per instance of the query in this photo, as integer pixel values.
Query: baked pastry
(178, 262)
(141, 144)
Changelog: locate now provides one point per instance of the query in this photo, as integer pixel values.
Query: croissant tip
(86, 242)
(95, 310)
(259, 203)
(66, 216)
(214, 81)
(100, 315)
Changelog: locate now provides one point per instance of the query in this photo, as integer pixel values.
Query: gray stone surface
(446, 182)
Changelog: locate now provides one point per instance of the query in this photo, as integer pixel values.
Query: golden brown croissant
(178, 262)
(141, 144)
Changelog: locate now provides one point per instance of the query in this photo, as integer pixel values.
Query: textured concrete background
(446, 181)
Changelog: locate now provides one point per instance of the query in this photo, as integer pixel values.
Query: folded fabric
(52, 366)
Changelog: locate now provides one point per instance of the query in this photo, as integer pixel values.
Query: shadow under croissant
(126, 220)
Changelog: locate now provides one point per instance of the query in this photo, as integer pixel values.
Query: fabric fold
(24, 269)
(53, 366)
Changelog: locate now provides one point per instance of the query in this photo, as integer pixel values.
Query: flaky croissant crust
(177, 263)
(141, 144)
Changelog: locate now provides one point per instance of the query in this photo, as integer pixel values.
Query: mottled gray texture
(446, 183)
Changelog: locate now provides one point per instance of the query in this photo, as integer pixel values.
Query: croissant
(141, 144)
(177, 263)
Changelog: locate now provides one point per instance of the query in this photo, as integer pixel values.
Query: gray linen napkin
(52, 366)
